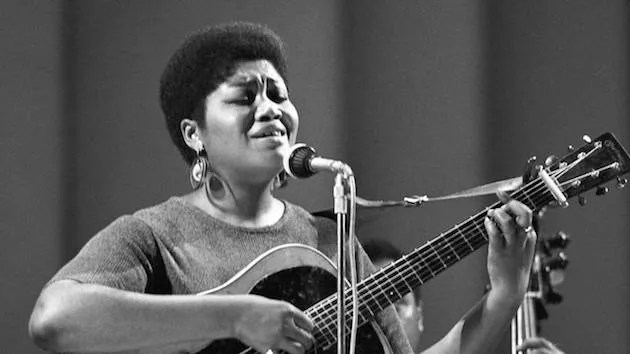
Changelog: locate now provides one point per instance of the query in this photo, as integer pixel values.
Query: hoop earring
(280, 181)
(198, 171)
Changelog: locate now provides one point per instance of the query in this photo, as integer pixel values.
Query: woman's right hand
(266, 324)
(538, 345)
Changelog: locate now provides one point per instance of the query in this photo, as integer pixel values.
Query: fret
(383, 292)
(464, 236)
(386, 292)
(361, 319)
(480, 231)
(413, 272)
(369, 290)
(323, 308)
(331, 335)
(367, 307)
(400, 279)
(430, 243)
(451, 246)
(426, 265)
(406, 274)
(533, 204)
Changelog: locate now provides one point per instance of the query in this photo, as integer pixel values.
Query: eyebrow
(245, 80)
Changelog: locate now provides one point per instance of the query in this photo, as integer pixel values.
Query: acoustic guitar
(306, 278)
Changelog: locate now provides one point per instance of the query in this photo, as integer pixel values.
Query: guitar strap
(378, 206)
(505, 185)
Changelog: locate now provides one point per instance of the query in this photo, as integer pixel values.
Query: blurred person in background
(409, 308)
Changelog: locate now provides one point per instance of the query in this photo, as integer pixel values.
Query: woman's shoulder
(141, 219)
(320, 220)
(167, 214)
(169, 206)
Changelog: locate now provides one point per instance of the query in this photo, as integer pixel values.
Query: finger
(520, 211)
(298, 335)
(302, 321)
(494, 236)
(261, 349)
(530, 242)
(534, 343)
(506, 224)
(503, 197)
(291, 346)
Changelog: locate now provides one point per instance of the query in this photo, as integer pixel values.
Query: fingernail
(503, 196)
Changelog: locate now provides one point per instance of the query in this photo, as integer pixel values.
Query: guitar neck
(423, 264)
(394, 281)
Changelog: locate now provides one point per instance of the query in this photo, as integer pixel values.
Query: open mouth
(275, 133)
(270, 132)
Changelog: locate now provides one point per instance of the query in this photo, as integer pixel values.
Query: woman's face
(249, 122)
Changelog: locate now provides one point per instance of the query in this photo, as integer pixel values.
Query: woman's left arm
(510, 253)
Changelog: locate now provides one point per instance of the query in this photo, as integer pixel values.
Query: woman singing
(132, 287)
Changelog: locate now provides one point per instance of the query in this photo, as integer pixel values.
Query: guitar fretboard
(394, 281)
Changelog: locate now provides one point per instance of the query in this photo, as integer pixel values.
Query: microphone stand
(301, 161)
(341, 210)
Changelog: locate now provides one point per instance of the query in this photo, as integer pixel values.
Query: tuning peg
(558, 241)
(571, 148)
(587, 139)
(601, 190)
(556, 277)
(582, 200)
(621, 182)
(550, 160)
(559, 261)
(554, 297)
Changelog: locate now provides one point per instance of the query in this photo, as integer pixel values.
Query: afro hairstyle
(205, 60)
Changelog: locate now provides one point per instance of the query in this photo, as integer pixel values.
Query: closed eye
(276, 94)
(244, 98)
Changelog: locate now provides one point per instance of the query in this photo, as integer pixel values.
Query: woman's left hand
(511, 248)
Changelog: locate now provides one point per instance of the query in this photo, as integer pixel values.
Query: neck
(239, 203)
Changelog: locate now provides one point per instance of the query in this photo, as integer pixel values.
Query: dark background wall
(420, 98)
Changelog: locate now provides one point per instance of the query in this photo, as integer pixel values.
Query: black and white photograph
(315, 176)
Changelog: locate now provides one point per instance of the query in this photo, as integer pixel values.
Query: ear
(190, 132)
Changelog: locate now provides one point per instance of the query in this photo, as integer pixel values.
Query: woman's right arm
(71, 316)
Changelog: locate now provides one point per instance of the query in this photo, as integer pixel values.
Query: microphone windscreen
(297, 161)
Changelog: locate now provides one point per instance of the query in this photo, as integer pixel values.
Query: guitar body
(302, 276)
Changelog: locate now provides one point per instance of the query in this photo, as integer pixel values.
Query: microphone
(301, 161)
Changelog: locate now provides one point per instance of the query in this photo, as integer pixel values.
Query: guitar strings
(378, 278)
(395, 279)
(399, 278)
(425, 272)
(406, 287)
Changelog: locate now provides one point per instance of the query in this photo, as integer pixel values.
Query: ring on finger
(529, 229)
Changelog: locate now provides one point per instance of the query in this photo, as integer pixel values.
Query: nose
(267, 110)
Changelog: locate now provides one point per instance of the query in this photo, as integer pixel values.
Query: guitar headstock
(590, 166)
